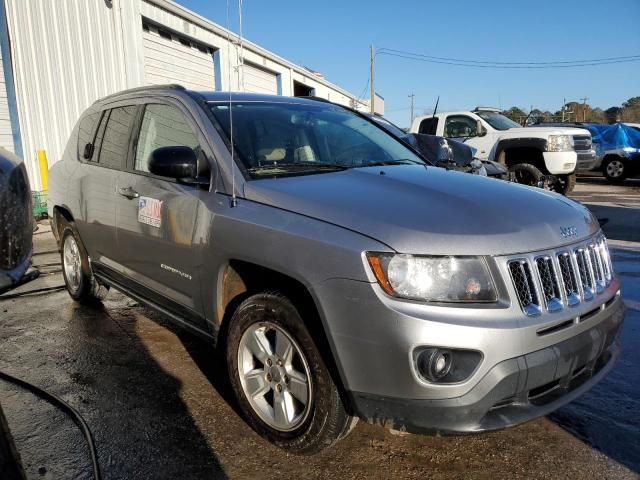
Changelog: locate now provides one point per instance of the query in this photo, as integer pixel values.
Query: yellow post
(44, 170)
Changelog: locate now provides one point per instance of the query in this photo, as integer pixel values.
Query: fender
(521, 142)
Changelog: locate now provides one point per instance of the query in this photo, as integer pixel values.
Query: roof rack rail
(168, 86)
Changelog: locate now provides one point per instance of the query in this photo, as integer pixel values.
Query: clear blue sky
(333, 37)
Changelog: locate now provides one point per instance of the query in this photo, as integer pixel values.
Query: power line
(509, 65)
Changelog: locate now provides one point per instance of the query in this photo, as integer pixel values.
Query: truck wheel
(614, 169)
(76, 270)
(283, 387)
(527, 174)
(564, 184)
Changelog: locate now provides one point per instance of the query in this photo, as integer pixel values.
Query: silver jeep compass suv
(341, 276)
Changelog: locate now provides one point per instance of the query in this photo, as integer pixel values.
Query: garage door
(259, 80)
(170, 58)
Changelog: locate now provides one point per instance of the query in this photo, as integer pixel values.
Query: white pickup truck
(536, 155)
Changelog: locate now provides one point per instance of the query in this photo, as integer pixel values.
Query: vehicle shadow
(142, 425)
(607, 417)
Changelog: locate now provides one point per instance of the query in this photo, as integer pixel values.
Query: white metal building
(58, 57)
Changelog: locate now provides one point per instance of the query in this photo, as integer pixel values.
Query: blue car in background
(618, 149)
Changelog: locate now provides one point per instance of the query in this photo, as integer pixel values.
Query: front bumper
(512, 392)
(586, 160)
(560, 163)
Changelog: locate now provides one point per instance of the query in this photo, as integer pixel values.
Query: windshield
(498, 121)
(276, 138)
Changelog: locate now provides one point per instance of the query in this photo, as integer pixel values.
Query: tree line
(629, 111)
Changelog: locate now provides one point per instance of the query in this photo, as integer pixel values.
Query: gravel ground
(159, 406)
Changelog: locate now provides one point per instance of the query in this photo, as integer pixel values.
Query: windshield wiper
(308, 166)
(384, 163)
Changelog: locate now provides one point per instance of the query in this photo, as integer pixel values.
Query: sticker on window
(150, 211)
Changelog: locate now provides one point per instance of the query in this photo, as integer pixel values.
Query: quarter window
(86, 135)
(162, 126)
(115, 143)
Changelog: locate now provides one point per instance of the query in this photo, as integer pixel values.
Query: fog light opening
(434, 363)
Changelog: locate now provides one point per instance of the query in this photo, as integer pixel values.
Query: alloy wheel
(275, 376)
(72, 263)
(615, 169)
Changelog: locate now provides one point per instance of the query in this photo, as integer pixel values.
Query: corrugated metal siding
(258, 80)
(65, 56)
(6, 135)
(170, 61)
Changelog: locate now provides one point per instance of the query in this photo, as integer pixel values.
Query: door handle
(128, 192)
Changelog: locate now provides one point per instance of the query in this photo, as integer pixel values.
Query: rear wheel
(614, 169)
(76, 270)
(282, 384)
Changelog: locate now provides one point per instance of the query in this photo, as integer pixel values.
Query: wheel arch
(60, 212)
(512, 151)
(241, 279)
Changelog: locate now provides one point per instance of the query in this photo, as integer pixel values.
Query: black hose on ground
(65, 407)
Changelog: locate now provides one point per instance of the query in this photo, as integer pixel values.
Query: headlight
(433, 279)
(559, 143)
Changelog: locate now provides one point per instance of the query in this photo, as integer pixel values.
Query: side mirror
(481, 131)
(174, 162)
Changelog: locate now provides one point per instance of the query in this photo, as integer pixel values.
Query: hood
(428, 210)
(545, 131)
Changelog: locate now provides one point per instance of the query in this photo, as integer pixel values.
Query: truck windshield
(278, 138)
(498, 121)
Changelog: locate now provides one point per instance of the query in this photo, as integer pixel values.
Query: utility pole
(564, 102)
(373, 82)
(411, 97)
(584, 108)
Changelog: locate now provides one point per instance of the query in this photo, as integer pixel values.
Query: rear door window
(116, 136)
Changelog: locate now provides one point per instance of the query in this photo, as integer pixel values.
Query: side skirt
(178, 314)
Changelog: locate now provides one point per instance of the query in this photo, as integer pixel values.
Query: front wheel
(282, 384)
(614, 169)
(564, 184)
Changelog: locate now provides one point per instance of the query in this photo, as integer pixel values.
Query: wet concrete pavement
(159, 406)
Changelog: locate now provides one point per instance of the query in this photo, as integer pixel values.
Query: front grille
(582, 142)
(562, 279)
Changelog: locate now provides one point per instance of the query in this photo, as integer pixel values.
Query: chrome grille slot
(584, 273)
(606, 259)
(549, 282)
(596, 267)
(569, 279)
(525, 286)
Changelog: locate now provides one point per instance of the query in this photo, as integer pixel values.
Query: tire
(76, 269)
(614, 169)
(266, 376)
(564, 184)
(526, 174)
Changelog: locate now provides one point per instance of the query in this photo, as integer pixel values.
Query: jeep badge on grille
(568, 232)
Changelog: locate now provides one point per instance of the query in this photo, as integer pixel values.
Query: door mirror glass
(481, 130)
(175, 161)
